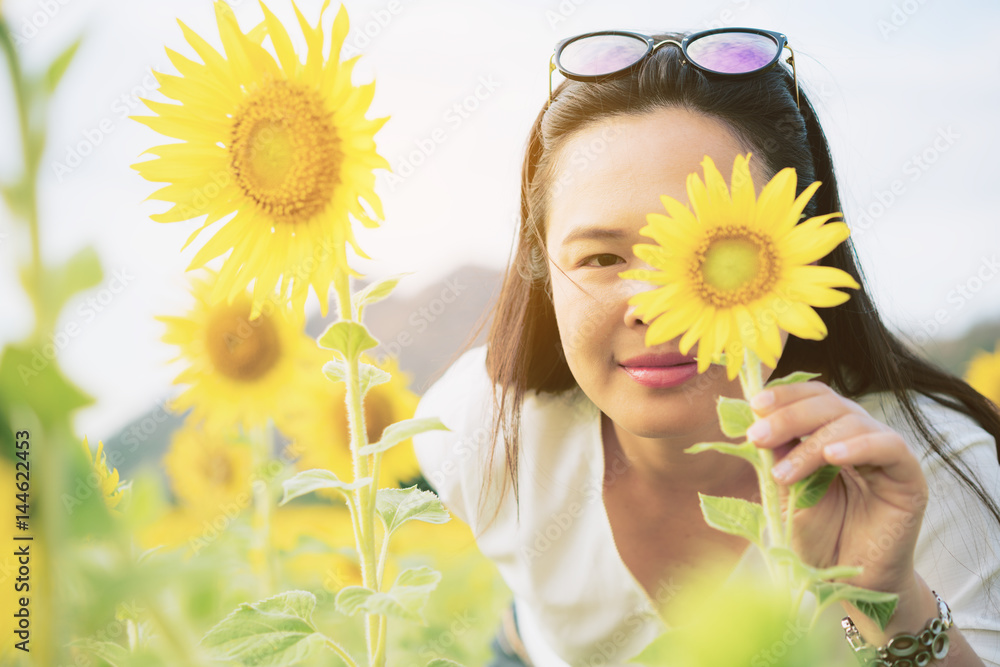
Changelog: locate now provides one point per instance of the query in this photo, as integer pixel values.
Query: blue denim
(502, 656)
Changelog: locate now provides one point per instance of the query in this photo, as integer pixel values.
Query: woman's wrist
(916, 606)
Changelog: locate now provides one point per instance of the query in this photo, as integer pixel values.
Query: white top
(576, 599)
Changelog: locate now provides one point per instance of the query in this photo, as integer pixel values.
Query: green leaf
(397, 506)
(734, 516)
(270, 633)
(80, 272)
(876, 605)
(370, 376)
(31, 376)
(735, 416)
(374, 293)
(348, 338)
(746, 450)
(406, 599)
(18, 198)
(792, 378)
(839, 572)
(54, 74)
(403, 430)
(115, 655)
(308, 481)
(810, 490)
(443, 662)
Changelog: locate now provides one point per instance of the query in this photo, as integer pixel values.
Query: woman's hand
(872, 512)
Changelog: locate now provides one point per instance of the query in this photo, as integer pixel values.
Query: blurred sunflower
(317, 541)
(239, 368)
(319, 432)
(737, 268)
(107, 479)
(984, 374)
(283, 145)
(208, 472)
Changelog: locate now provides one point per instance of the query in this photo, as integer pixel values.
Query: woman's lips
(662, 376)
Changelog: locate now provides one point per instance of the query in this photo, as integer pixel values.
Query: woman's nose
(631, 288)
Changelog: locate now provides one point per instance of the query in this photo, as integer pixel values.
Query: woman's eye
(604, 259)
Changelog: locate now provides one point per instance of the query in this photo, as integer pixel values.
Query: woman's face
(607, 177)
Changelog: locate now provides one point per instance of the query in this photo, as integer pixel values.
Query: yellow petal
(784, 224)
(282, 42)
(743, 192)
(775, 199)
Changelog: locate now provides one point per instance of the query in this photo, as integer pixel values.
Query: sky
(907, 92)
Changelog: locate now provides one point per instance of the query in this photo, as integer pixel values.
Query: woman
(566, 404)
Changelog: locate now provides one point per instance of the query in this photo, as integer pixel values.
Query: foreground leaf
(810, 490)
(369, 376)
(406, 599)
(876, 605)
(404, 430)
(374, 293)
(735, 416)
(308, 481)
(734, 516)
(746, 450)
(397, 506)
(791, 378)
(348, 338)
(270, 633)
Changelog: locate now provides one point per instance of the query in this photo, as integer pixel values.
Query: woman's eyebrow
(594, 232)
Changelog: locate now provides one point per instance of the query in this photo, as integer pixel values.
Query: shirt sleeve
(958, 548)
(452, 461)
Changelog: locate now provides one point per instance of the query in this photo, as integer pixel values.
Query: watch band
(904, 650)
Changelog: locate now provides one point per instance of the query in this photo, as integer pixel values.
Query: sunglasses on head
(724, 52)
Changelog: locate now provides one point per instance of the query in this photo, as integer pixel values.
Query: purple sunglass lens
(601, 54)
(732, 52)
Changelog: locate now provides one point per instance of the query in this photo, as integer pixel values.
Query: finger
(769, 400)
(808, 456)
(885, 450)
(798, 418)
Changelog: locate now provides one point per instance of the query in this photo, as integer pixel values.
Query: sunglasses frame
(651, 45)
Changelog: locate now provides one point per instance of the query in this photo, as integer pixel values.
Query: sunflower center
(284, 151)
(734, 266)
(242, 349)
(218, 470)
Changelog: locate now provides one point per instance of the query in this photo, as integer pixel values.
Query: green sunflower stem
(752, 382)
(364, 496)
(261, 443)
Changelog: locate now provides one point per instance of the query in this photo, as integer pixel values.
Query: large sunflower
(984, 374)
(239, 369)
(284, 145)
(736, 269)
(319, 432)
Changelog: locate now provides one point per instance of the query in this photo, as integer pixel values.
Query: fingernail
(782, 470)
(762, 400)
(759, 430)
(837, 450)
